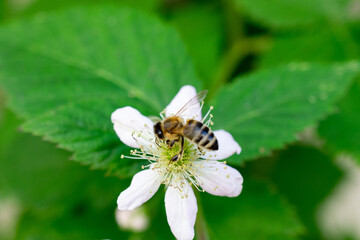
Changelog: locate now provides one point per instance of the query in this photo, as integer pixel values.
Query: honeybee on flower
(177, 160)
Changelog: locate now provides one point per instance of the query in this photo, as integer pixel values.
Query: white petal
(227, 146)
(132, 127)
(182, 97)
(143, 186)
(218, 178)
(181, 209)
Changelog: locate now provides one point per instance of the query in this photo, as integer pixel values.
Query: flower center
(159, 156)
(180, 168)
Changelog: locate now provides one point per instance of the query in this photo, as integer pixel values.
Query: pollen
(160, 156)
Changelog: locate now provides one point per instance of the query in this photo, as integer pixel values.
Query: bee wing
(192, 103)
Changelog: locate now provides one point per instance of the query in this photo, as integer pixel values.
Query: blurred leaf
(287, 13)
(69, 70)
(342, 129)
(317, 45)
(305, 177)
(8, 126)
(2, 10)
(202, 28)
(45, 5)
(42, 177)
(258, 213)
(159, 228)
(266, 109)
(76, 225)
(61, 199)
(310, 30)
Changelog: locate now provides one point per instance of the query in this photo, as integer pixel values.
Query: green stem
(239, 44)
(200, 225)
(233, 21)
(236, 53)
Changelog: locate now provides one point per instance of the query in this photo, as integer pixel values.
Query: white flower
(198, 168)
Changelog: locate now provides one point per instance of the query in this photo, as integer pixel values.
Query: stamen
(158, 155)
(208, 113)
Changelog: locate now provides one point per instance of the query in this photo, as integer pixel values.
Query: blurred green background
(304, 186)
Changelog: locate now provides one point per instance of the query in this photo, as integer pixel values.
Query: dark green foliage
(305, 176)
(242, 216)
(342, 129)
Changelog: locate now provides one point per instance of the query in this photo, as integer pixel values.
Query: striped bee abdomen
(200, 134)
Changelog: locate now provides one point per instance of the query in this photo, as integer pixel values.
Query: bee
(174, 129)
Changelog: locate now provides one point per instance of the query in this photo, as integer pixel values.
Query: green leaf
(79, 130)
(258, 213)
(342, 129)
(286, 13)
(79, 65)
(266, 109)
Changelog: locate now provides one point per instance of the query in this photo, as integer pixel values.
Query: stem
(236, 53)
(233, 21)
(200, 225)
(239, 44)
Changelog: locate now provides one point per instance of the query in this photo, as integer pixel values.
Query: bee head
(158, 131)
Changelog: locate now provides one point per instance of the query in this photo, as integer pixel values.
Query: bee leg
(171, 144)
(157, 142)
(180, 154)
